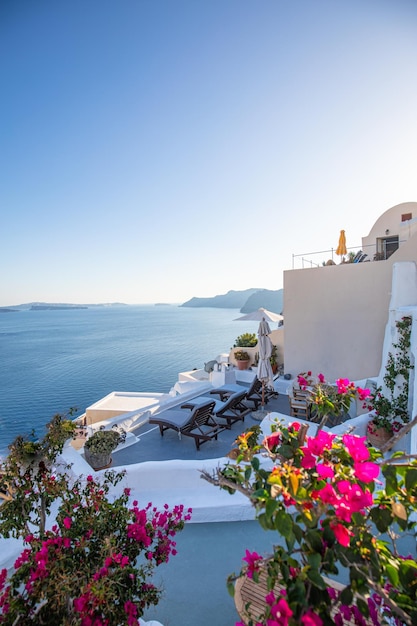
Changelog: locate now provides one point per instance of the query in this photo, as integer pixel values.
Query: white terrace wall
(335, 319)
(335, 316)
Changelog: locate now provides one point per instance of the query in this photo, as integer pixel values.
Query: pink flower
(80, 604)
(366, 472)
(321, 378)
(327, 495)
(303, 382)
(252, 559)
(308, 461)
(67, 522)
(363, 393)
(322, 441)
(356, 447)
(341, 533)
(311, 619)
(294, 426)
(353, 500)
(272, 441)
(324, 470)
(281, 613)
(344, 386)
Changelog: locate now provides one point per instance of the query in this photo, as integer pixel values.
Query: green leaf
(346, 597)
(283, 523)
(286, 451)
(314, 560)
(391, 484)
(317, 580)
(265, 522)
(411, 479)
(392, 574)
(315, 540)
(362, 606)
(271, 506)
(382, 517)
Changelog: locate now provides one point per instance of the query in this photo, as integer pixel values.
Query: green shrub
(247, 340)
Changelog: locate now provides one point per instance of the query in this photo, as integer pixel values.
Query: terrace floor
(153, 447)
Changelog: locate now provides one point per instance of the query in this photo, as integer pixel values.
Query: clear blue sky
(155, 150)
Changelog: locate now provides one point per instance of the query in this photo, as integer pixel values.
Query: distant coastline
(56, 307)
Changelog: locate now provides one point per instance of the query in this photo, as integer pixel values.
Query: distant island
(56, 307)
(247, 300)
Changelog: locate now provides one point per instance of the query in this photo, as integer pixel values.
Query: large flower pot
(96, 460)
(242, 365)
(377, 436)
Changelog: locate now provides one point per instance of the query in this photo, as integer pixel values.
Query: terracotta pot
(242, 365)
(377, 437)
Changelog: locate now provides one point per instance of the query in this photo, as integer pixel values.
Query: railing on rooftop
(311, 259)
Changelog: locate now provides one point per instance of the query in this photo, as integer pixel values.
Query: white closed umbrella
(265, 373)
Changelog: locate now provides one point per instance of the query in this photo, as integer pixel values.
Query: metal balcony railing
(322, 257)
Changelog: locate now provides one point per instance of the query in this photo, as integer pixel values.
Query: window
(385, 246)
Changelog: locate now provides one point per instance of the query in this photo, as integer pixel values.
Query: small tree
(94, 564)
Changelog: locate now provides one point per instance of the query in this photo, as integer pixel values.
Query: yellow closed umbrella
(341, 248)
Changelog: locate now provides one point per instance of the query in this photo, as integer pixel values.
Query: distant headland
(247, 300)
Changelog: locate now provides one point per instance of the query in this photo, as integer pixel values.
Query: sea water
(53, 360)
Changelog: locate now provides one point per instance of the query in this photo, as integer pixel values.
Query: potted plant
(390, 410)
(98, 447)
(242, 358)
(273, 360)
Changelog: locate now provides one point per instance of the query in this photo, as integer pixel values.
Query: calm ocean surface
(53, 360)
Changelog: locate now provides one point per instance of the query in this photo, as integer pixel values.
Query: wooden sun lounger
(253, 394)
(198, 423)
(232, 409)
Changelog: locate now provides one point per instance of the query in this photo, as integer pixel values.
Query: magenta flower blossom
(322, 441)
(252, 559)
(344, 386)
(272, 441)
(342, 533)
(67, 522)
(356, 447)
(363, 393)
(281, 613)
(324, 470)
(311, 619)
(366, 472)
(327, 495)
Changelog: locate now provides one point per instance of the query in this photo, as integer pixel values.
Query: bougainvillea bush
(93, 566)
(336, 506)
